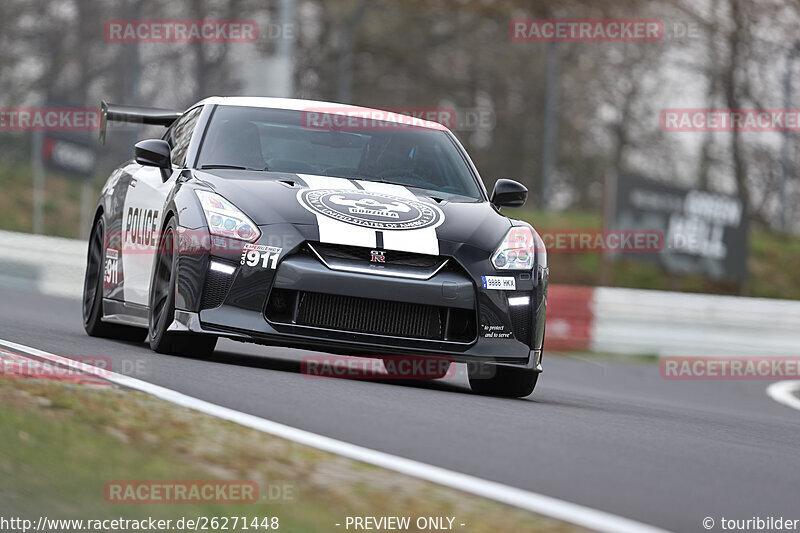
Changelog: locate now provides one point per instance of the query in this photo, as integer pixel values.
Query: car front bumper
(491, 329)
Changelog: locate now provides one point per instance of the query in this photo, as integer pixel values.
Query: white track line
(531, 501)
(784, 392)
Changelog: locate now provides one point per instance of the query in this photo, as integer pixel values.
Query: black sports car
(249, 221)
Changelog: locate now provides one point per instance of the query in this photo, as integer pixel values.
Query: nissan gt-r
(315, 225)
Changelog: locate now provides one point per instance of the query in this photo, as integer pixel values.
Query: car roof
(299, 104)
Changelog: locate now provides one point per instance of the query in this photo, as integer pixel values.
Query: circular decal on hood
(370, 209)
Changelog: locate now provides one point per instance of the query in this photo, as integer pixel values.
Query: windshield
(278, 140)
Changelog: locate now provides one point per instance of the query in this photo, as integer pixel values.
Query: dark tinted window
(181, 134)
(279, 141)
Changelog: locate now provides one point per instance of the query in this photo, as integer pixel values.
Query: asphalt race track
(612, 436)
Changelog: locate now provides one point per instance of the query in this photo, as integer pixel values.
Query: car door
(143, 212)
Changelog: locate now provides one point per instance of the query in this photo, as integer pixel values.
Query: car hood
(351, 211)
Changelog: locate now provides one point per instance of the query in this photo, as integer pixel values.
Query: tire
(162, 305)
(505, 381)
(93, 293)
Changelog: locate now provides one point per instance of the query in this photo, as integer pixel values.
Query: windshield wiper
(232, 167)
(388, 182)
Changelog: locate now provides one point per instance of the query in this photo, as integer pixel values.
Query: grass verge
(63, 442)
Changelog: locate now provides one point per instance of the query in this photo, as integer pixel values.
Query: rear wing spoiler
(138, 115)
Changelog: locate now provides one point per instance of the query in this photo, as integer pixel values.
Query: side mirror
(153, 153)
(509, 193)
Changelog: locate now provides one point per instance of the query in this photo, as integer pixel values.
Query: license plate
(499, 283)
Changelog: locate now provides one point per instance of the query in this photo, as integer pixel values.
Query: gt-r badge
(378, 256)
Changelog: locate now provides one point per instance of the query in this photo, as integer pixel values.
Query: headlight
(517, 250)
(225, 220)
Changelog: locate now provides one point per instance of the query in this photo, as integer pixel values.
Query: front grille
(216, 289)
(521, 319)
(366, 315)
(369, 316)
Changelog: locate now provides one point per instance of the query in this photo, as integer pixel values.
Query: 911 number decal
(112, 267)
(256, 254)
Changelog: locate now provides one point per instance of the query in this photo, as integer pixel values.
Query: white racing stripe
(333, 231)
(421, 241)
(785, 392)
(531, 501)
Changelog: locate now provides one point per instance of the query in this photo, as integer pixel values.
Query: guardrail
(603, 319)
(667, 323)
(52, 265)
(631, 321)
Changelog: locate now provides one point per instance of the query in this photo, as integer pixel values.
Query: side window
(180, 135)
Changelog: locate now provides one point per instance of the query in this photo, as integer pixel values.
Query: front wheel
(505, 381)
(162, 305)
